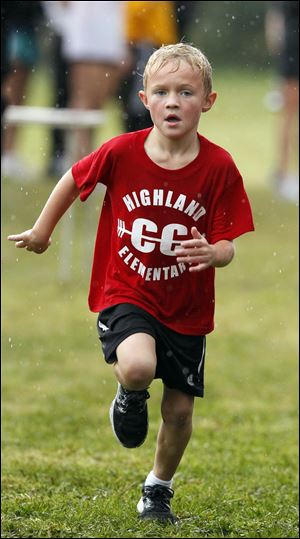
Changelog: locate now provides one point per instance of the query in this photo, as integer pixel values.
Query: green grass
(63, 473)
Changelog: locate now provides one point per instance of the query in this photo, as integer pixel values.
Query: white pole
(52, 117)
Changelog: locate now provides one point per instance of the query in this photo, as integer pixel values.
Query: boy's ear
(209, 101)
(143, 98)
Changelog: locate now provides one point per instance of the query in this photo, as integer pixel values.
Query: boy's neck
(170, 153)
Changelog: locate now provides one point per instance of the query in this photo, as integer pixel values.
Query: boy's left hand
(197, 252)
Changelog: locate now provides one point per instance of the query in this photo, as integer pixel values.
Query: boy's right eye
(160, 92)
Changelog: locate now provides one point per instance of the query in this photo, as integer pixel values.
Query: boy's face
(176, 99)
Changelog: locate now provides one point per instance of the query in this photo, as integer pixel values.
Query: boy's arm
(37, 238)
(201, 255)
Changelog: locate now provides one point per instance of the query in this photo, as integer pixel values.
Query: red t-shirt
(147, 211)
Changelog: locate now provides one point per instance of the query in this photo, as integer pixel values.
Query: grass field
(63, 473)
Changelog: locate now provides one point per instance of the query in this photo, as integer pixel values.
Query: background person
(94, 48)
(282, 35)
(58, 68)
(20, 26)
(148, 25)
(185, 15)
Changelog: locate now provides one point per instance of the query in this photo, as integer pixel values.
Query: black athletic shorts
(180, 358)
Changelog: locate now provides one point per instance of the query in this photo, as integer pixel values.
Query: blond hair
(176, 53)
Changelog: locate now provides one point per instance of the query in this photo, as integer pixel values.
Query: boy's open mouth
(172, 119)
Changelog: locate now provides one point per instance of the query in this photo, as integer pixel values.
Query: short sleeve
(92, 169)
(233, 214)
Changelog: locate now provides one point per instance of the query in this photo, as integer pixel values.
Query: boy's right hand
(30, 241)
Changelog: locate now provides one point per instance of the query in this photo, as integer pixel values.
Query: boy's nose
(172, 101)
(172, 104)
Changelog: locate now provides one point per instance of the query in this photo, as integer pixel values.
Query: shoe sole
(111, 411)
(162, 517)
(159, 517)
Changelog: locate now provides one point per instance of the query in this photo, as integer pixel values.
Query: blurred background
(48, 60)
(90, 56)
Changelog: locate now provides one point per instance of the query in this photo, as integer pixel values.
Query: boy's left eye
(186, 92)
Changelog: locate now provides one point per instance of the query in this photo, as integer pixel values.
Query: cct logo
(145, 243)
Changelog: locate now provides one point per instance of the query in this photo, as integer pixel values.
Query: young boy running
(174, 204)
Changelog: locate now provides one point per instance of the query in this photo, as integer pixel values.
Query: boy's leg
(173, 437)
(135, 369)
(175, 432)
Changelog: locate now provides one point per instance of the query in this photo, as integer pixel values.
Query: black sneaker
(155, 503)
(129, 416)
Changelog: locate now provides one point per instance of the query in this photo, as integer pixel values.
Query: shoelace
(161, 495)
(132, 398)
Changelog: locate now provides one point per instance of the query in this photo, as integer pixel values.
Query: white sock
(153, 480)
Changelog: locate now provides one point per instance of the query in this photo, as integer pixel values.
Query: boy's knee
(136, 361)
(178, 415)
(137, 374)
